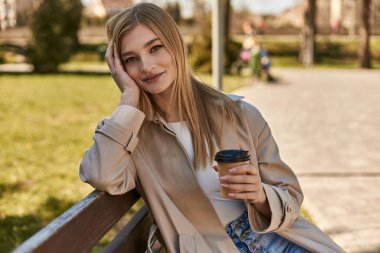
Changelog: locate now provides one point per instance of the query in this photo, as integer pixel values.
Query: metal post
(217, 44)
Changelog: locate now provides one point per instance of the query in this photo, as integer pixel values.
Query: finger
(240, 179)
(244, 169)
(241, 187)
(109, 55)
(118, 64)
(252, 196)
(118, 71)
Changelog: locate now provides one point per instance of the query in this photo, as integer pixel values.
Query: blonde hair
(196, 102)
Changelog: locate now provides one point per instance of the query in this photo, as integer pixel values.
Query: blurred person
(260, 62)
(249, 34)
(161, 141)
(253, 55)
(245, 52)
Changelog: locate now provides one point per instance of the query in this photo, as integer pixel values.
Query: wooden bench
(84, 224)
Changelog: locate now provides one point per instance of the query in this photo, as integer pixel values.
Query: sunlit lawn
(47, 122)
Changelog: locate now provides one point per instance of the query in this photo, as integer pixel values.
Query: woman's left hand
(244, 182)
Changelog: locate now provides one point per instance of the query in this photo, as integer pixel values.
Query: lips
(152, 78)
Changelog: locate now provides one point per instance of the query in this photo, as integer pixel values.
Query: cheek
(167, 59)
(132, 71)
(164, 58)
(169, 63)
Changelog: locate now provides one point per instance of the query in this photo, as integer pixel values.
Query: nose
(147, 64)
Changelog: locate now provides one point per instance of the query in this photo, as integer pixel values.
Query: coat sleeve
(107, 165)
(280, 184)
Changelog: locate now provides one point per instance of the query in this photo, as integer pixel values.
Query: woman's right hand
(130, 91)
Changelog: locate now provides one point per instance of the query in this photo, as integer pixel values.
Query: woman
(161, 141)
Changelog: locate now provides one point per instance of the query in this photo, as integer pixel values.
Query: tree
(231, 47)
(307, 50)
(201, 47)
(54, 34)
(227, 8)
(364, 33)
(174, 10)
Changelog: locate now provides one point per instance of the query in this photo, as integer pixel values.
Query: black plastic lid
(232, 156)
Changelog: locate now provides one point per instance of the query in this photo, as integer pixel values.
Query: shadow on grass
(16, 229)
(11, 187)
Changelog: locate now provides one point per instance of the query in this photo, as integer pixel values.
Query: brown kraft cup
(226, 159)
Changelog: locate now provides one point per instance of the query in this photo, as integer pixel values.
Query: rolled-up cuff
(258, 222)
(126, 115)
(123, 126)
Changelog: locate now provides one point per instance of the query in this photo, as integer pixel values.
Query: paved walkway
(327, 125)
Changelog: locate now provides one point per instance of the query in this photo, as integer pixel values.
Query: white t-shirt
(208, 179)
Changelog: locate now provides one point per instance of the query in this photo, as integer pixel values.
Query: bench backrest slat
(133, 237)
(82, 226)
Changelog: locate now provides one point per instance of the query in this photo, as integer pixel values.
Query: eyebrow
(145, 45)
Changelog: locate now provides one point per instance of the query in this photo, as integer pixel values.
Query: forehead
(137, 37)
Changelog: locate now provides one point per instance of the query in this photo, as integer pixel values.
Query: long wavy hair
(195, 102)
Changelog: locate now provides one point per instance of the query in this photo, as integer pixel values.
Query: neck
(163, 103)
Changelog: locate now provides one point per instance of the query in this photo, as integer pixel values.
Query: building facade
(7, 14)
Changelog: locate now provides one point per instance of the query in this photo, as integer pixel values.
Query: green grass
(47, 124)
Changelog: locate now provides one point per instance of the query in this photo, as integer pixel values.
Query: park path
(327, 125)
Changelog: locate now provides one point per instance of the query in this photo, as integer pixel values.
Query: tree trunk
(307, 50)
(364, 32)
(227, 8)
(199, 14)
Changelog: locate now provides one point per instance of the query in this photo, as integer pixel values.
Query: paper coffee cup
(227, 159)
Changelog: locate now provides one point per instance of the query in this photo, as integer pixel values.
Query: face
(147, 61)
(247, 27)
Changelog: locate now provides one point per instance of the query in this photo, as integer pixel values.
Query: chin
(157, 90)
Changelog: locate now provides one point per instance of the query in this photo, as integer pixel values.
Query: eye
(130, 59)
(155, 48)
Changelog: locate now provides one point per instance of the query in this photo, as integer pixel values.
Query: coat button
(288, 209)
(100, 124)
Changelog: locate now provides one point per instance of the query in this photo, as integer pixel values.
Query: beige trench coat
(130, 152)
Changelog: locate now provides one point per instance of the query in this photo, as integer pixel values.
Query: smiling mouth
(153, 78)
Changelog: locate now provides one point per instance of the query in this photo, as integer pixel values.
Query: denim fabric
(248, 241)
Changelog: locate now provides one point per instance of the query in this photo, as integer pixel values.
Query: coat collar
(233, 97)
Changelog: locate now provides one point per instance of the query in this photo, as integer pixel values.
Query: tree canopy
(54, 33)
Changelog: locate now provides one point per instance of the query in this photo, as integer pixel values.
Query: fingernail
(232, 170)
(223, 177)
(231, 194)
(224, 185)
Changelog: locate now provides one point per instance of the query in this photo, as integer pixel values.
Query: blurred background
(341, 28)
(55, 85)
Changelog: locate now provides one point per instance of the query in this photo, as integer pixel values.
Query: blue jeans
(248, 241)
